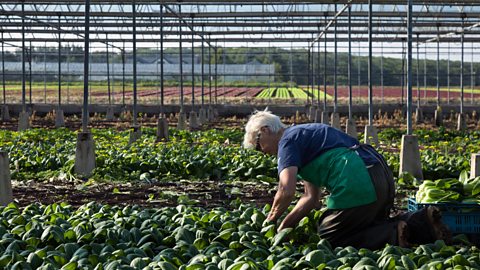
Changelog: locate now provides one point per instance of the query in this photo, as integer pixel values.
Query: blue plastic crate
(460, 218)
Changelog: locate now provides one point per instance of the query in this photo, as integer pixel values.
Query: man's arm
(307, 202)
(285, 192)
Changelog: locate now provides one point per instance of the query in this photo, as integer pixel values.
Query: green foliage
(464, 190)
(95, 236)
(442, 151)
(42, 154)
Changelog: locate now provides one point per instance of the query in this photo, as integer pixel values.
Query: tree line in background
(290, 65)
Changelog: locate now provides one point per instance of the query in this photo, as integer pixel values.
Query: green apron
(343, 173)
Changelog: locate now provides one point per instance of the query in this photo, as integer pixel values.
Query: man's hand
(285, 193)
(307, 202)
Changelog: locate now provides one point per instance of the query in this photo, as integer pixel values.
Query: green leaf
(316, 257)
(280, 237)
(70, 266)
(268, 231)
(5, 259)
(200, 243)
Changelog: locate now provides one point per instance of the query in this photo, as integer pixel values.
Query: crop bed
(96, 236)
(149, 93)
(196, 202)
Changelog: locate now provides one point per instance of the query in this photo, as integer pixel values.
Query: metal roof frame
(302, 21)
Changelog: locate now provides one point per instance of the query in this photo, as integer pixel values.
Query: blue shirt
(301, 144)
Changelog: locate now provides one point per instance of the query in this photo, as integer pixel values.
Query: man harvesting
(360, 184)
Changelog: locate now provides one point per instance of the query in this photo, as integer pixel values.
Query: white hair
(258, 120)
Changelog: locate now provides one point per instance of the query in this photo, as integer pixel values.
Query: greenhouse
(328, 134)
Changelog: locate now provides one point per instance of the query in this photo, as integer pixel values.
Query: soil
(207, 194)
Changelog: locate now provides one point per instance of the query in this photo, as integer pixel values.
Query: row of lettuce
(213, 154)
(95, 236)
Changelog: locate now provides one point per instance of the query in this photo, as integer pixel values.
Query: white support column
(23, 121)
(162, 129)
(202, 116)
(371, 135)
(311, 113)
(182, 121)
(410, 157)
(325, 118)
(438, 116)
(193, 120)
(135, 134)
(110, 115)
(418, 115)
(318, 115)
(85, 154)
(351, 128)
(59, 119)
(475, 165)
(6, 194)
(5, 113)
(461, 122)
(335, 120)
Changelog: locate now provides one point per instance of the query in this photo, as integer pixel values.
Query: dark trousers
(366, 226)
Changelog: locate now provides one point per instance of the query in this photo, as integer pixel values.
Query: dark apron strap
(369, 149)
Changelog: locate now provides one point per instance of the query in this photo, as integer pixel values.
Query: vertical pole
(224, 61)
(313, 72)
(216, 73)
(68, 73)
(209, 71)
(402, 76)
(193, 67)
(108, 72)
(45, 74)
(161, 63)
(325, 65)
(90, 76)
(418, 72)
(23, 58)
(409, 68)
(59, 63)
(291, 64)
(318, 71)
(308, 74)
(438, 65)
(134, 51)
(335, 58)
(203, 68)
(462, 40)
(86, 66)
(425, 74)
(3, 71)
(472, 76)
(157, 76)
(359, 77)
(181, 56)
(381, 72)
(30, 72)
(448, 73)
(349, 62)
(370, 88)
(123, 74)
(112, 79)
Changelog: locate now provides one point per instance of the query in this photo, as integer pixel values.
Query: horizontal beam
(237, 39)
(245, 2)
(266, 14)
(422, 33)
(264, 23)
